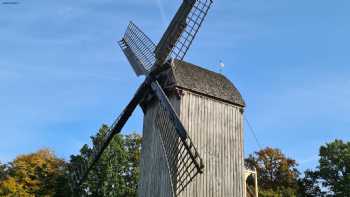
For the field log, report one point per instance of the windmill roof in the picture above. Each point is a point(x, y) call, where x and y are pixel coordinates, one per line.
point(197, 79)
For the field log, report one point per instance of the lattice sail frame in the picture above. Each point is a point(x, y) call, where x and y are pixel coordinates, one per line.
point(144, 55)
point(182, 167)
point(193, 22)
point(139, 49)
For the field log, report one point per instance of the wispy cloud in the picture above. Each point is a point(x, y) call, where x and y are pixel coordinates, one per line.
point(308, 160)
point(161, 11)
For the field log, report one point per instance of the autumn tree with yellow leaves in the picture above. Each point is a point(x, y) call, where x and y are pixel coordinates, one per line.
point(36, 174)
point(277, 174)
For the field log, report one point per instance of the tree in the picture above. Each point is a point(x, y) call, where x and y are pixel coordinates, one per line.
point(334, 169)
point(309, 185)
point(116, 173)
point(333, 172)
point(3, 171)
point(132, 144)
point(277, 174)
point(36, 174)
point(11, 188)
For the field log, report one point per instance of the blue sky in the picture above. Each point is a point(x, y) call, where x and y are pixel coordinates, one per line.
point(62, 74)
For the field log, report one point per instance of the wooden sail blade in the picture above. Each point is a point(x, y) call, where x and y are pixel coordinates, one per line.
point(83, 171)
point(183, 160)
point(182, 30)
point(134, 61)
point(173, 32)
point(139, 49)
point(194, 21)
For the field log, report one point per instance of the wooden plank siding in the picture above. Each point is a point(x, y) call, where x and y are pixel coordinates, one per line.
point(154, 172)
point(216, 128)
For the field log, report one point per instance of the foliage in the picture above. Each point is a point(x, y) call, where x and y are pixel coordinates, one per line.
point(277, 174)
point(333, 172)
point(334, 169)
point(3, 171)
point(36, 174)
point(132, 144)
point(309, 185)
point(43, 174)
point(117, 171)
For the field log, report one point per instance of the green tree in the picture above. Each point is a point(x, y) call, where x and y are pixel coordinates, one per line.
point(132, 144)
point(309, 185)
point(3, 171)
point(333, 172)
point(277, 174)
point(116, 173)
point(334, 169)
point(36, 174)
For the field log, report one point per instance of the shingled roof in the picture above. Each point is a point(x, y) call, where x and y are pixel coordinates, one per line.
point(197, 79)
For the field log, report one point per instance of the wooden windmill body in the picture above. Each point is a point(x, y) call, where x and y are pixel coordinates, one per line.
point(211, 109)
point(192, 137)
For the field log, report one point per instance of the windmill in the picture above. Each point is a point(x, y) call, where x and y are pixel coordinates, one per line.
point(151, 60)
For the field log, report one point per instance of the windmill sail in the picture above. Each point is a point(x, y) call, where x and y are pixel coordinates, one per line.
point(115, 128)
point(184, 162)
point(193, 22)
point(173, 32)
point(133, 60)
point(139, 49)
point(183, 29)
point(143, 54)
